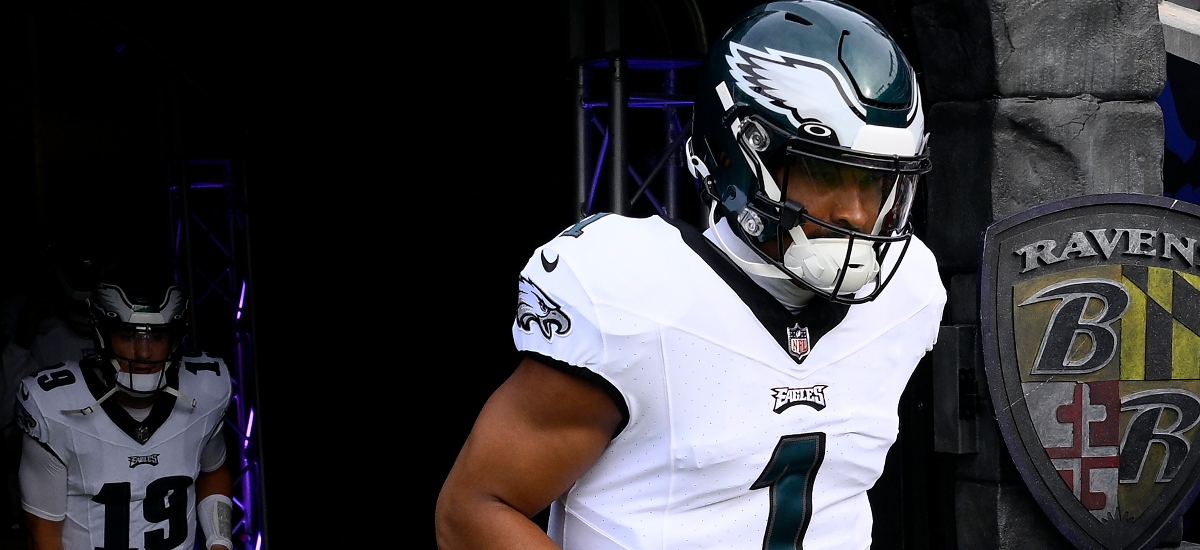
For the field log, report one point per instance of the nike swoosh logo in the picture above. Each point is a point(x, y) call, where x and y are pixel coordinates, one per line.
point(547, 264)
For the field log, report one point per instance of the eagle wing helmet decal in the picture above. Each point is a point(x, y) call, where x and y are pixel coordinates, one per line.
point(765, 74)
point(534, 307)
point(791, 84)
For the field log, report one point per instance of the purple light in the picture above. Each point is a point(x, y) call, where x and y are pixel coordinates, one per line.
point(249, 426)
point(241, 299)
point(599, 164)
point(258, 544)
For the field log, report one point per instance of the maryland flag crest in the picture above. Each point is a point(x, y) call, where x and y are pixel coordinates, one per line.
point(1090, 321)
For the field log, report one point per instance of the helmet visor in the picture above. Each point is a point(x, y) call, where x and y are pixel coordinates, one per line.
point(886, 196)
point(142, 348)
point(889, 181)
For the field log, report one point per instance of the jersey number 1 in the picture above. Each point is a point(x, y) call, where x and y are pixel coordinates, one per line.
point(166, 500)
point(790, 474)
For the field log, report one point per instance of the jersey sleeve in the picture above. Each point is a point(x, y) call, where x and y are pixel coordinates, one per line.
point(29, 414)
point(43, 481)
point(555, 316)
point(207, 379)
point(212, 456)
point(922, 286)
point(42, 473)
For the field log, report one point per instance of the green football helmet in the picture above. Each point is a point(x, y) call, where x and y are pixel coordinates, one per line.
point(818, 86)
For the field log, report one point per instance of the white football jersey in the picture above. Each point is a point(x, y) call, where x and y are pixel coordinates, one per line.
point(130, 484)
point(748, 426)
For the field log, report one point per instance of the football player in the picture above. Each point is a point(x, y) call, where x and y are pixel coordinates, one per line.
point(123, 448)
point(736, 388)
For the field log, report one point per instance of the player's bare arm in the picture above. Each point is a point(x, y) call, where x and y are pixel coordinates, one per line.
point(44, 534)
point(535, 436)
point(216, 482)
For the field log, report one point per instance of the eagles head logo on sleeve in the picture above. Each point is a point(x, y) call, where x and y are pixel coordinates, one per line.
point(24, 419)
point(536, 309)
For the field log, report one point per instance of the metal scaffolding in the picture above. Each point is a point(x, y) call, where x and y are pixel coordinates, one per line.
point(212, 251)
point(631, 116)
point(608, 178)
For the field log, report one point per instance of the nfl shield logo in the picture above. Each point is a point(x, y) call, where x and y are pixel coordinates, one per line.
point(798, 341)
point(1090, 320)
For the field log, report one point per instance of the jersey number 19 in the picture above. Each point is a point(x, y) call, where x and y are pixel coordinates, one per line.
point(166, 500)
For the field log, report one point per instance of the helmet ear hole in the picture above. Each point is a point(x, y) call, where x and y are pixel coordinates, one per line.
point(755, 137)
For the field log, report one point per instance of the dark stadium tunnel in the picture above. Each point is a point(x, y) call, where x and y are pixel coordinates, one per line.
point(277, 120)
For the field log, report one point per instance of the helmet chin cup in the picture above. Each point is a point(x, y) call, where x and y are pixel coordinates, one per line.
point(139, 385)
point(818, 262)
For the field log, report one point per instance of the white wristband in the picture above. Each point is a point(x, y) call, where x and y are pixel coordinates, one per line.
point(216, 520)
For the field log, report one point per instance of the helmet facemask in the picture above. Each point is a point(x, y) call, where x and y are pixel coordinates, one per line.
point(141, 356)
point(839, 259)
